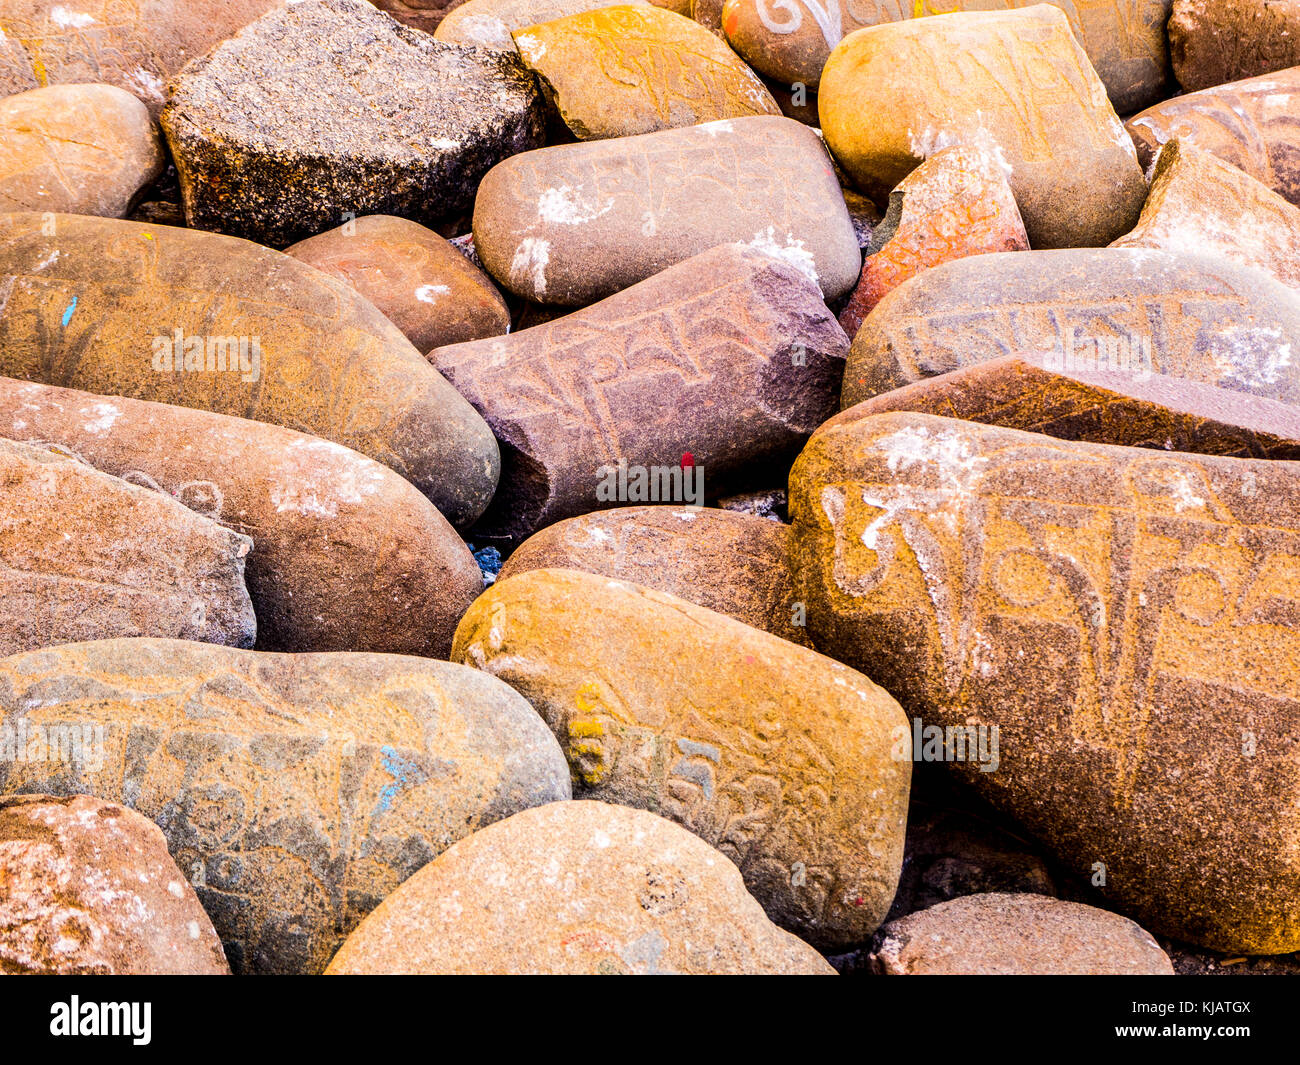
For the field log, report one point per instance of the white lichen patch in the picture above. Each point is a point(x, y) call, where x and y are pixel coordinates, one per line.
point(788, 250)
point(566, 206)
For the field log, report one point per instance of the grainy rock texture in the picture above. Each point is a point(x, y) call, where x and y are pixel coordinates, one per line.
point(426, 15)
point(1216, 41)
point(85, 556)
point(91, 890)
point(489, 23)
point(1124, 618)
point(81, 149)
point(580, 888)
point(102, 305)
point(347, 556)
point(329, 108)
point(1014, 85)
point(295, 791)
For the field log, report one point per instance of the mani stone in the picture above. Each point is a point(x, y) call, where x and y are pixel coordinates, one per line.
point(1200, 203)
point(1216, 41)
point(1004, 934)
point(78, 149)
point(423, 285)
point(575, 223)
point(489, 23)
point(92, 303)
point(1250, 124)
point(326, 109)
point(90, 890)
point(730, 356)
point(84, 556)
point(1014, 85)
point(790, 41)
point(295, 791)
point(347, 555)
point(580, 888)
point(732, 563)
point(955, 204)
point(628, 69)
point(1192, 316)
point(1127, 620)
point(1111, 403)
point(136, 46)
point(784, 760)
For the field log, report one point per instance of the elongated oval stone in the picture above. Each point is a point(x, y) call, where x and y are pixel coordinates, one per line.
point(580, 888)
point(1015, 85)
point(782, 759)
point(1128, 621)
point(489, 23)
point(295, 791)
point(1216, 41)
point(348, 555)
point(85, 556)
point(101, 305)
point(575, 223)
point(1191, 316)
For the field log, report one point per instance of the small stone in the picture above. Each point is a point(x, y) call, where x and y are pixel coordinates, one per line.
point(629, 69)
point(583, 888)
point(575, 223)
point(489, 23)
point(1013, 85)
point(1002, 934)
point(1216, 41)
point(420, 282)
point(768, 504)
point(327, 109)
point(79, 149)
point(90, 890)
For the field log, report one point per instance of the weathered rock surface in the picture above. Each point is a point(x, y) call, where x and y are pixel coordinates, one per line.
point(1126, 619)
point(730, 356)
point(295, 791)
point(575, 223)
point(1200, 203)
point(489, 23)
point(328, 108)
point(782, 759)
point(1192, 316)
point(85, 556)
point(347, 555)
point(729, 562)
point(423, 285)
point(1008, 935)
point(955, 204)
point(1248, 123)
point(93, 303)
point(426, 15)
point(579, 888)
point(1217, 41)
point(1015, 85)
point(629, 69)
point(80, 149)
point(91, 890)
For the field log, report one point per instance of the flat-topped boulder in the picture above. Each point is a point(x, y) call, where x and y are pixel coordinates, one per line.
point(1216, 41)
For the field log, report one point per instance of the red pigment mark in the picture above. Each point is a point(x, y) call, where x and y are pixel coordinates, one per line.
point(688, 460)
point(730, 16)
point(858, 901)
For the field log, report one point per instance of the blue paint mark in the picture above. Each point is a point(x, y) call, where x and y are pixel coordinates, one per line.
point(67, 315)
point(405, 774)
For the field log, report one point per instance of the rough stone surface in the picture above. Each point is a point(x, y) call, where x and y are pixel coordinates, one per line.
point(82, 149)
point(136, 45)
point(1191, 316)
point(629, 69)
point(89, 303)
point(423, 285)
point(1014, 85)
point(426, 15)
point(731, 357)
point(85, 556)
point(579, 888)
point(295, 791)
point(955, 204)
point(347, 555)
point(1125, 618)
point(90, 890)
point(326, 108)
point(575, 223)
point(782, 759)
point(729, 562)
point(1200, 203)
point(489, 23)
point(1249, 124)
point(1003, 934)
point(1216, 41)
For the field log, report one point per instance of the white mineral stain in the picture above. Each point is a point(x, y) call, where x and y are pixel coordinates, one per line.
point(792, 252)
point(530, 262)
point(430, 293)
point(66, 18)
point(565, 206)
point(106, 416)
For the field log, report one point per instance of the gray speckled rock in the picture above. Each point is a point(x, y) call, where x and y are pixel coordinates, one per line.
point(327, 107)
